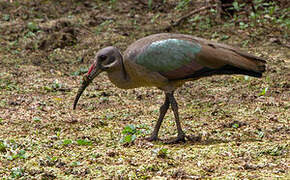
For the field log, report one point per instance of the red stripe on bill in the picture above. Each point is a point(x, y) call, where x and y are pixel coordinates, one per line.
point(91, 68)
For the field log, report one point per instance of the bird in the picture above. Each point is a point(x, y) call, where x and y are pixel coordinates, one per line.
point(167, 61)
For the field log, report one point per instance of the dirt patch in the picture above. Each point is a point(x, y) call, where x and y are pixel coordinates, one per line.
point(59, 37)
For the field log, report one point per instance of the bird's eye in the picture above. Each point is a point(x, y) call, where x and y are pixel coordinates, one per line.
point(102, 57)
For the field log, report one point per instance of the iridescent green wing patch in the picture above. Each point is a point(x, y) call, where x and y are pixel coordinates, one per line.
point(167, 55)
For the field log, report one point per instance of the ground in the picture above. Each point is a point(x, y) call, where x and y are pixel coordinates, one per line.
point(242, 122)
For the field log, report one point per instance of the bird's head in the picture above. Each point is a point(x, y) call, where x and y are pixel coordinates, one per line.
point(105, 60)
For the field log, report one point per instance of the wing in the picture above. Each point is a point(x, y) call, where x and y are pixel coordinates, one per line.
point(173, 58)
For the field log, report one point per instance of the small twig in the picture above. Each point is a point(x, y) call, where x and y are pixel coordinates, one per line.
point(286, 45)
point(253, 6)
point(183, 18)
point(140, 1)
point(176, 23)
point(87, 29)
point(15, 11)
point(279, 42)
point(219, 10)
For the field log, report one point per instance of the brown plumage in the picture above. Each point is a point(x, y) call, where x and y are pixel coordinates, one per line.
point(167, 61)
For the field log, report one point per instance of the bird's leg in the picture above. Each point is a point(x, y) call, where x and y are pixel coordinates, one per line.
point(163, 109)
point(174, 106)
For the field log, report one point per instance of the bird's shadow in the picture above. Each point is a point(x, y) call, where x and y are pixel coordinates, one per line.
point(212, 141)
point(199, 140)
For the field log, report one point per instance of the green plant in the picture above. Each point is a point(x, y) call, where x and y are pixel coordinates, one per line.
point(81, 71)
point(20, 154)
point(8, 85)
point(6, 17)
point(130, 133)
point(225, 37)
point(260, 134)
point(150, 4)
point(102, 26)
point(155, 17)
point(264, 90)
point(245, 43)
point(129, 129)
point(67, 142)
point(56, 84)
point(161, 152)
point(236, 125)
point(2, 147)
point(237, 6)
point(3, 103)
point(75, 163)
point(182, 4)
point(51, 159)
point(29, 34)
point(243, 25)
point(84, 142)
point(36, 119)
point(17, 172)
point(277, 150)
point(32, 26)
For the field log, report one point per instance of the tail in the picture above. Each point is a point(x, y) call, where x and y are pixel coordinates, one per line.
point(259, 64)
point(221, 58)
point(239, 63)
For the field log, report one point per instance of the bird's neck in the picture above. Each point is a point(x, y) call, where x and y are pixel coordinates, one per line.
point(119, 76)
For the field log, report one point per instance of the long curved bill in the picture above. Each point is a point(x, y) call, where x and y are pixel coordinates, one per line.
point(87, 79)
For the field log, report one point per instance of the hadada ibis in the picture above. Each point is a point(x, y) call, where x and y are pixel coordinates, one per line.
point(167, 61)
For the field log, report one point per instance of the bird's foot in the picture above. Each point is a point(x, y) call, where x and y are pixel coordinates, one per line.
point(152, 138)
point(179, 138)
